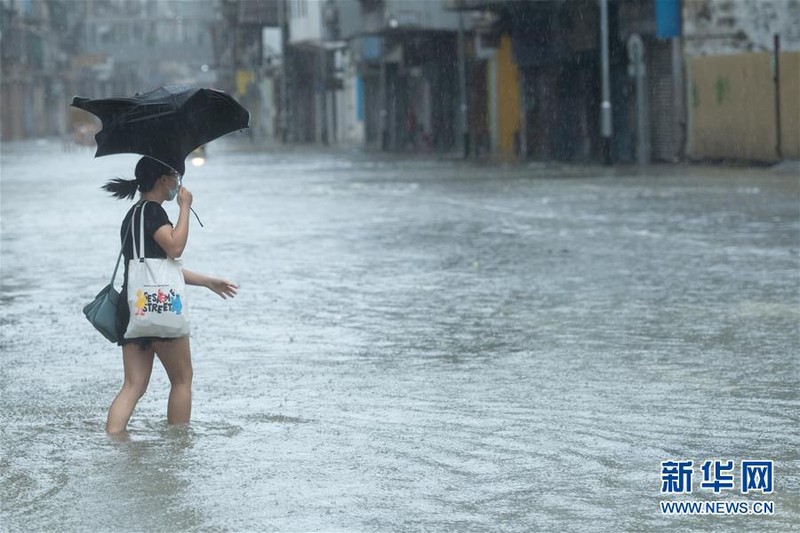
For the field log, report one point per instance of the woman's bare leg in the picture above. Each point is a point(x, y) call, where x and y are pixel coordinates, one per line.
point(138, 364)
point(177, 360)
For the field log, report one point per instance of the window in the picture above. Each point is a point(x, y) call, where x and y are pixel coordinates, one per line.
point(299, 8)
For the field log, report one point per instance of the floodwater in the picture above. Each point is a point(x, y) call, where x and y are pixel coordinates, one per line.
point(417, 346)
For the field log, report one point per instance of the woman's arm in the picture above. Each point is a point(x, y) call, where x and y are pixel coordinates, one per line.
point(173, 240)
point(225, 289)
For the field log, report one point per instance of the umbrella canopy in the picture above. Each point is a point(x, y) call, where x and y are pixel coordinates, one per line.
point(165, 124)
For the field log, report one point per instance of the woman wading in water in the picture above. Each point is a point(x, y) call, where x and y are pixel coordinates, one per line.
point(157, 183)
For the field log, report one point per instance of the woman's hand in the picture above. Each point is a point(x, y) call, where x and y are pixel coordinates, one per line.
point(185, 197)
point(225, 289)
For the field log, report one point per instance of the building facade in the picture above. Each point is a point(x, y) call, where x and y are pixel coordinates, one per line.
point(52, 50)
point(407, 57)
point(494, 78)
point(743, 79)
point(37, 42)
point(538, 68)
point(133, 46)
point(321, 77)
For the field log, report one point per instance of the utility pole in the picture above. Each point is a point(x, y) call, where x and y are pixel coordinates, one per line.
point(679, 104)
point(637, 70)
point(330, 35)
point(382, 95)
point(462, 79)
point(323, 90)
point(523, 118)
point(605, 105)
point(776, 39)
point(284, 122)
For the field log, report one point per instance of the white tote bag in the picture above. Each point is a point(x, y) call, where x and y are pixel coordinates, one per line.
point(156, 293)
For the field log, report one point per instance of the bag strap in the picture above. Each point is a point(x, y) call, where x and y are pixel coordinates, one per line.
point(138, 254)
point(122, 248)
point(141, 254)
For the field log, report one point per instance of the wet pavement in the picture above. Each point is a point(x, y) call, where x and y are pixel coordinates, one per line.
point(417, 345)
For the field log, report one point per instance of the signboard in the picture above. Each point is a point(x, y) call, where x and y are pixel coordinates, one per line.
point(668, 18)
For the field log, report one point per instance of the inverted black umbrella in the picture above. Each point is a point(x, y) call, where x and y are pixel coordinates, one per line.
point(165, 124)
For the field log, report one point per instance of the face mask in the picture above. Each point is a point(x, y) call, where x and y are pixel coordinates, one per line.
point(172, 193)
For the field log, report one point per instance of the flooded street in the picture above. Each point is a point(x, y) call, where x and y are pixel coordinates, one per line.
point(417, 345)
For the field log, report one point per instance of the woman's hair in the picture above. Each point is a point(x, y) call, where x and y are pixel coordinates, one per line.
point(148, 170)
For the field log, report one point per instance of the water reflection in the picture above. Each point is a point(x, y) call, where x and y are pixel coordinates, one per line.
point(150, 477)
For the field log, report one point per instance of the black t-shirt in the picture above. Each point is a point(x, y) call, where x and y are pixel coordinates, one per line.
point(154, 218)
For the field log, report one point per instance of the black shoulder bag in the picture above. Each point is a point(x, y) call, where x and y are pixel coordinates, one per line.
point(102, 311)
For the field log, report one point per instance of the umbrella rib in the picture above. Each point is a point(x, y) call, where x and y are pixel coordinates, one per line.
point(128, 120)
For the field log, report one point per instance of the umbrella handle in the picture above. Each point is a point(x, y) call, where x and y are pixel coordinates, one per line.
point(197, 217)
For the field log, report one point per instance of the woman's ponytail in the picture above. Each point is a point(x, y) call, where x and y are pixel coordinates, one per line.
point(121, 188)
point(147, 172)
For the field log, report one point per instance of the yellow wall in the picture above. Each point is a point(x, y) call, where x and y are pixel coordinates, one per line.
point(508, 109)
point(243, 79)
point(732, 107)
